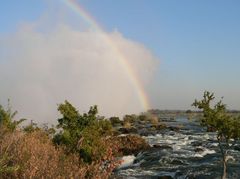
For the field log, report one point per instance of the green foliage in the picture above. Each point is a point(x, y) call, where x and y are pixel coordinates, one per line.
point(188, 111)
point(130, 118)
point(115, 121)
point(142, 117)
point(92, 147)
point(4, 165)
point(73, 124)
point(146, 116)
point(50, 131)
point(31, 127)
point(82, 133)
point(72, 119)
point(29, 151)
point(6, 117)
point(215, 117)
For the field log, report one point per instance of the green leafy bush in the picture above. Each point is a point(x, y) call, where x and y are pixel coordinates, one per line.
point(82, 133)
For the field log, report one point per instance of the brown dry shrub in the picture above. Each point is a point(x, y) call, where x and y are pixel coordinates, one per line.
point(127, 124)
point(34, 156)
point(154, 121)
point(7, 140)
point(129, 144)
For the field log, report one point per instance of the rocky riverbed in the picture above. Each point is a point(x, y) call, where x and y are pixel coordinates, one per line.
point(182, 150)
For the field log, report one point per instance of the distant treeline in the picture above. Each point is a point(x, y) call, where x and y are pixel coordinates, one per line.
point(166, 111)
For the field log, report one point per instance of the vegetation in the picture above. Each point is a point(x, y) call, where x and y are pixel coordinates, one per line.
point(86, 145)
point(130, 120)
point(79, 150)
point(6, 117)
point(217, 119)
point(130, 144)
point(82, 134)
point(115, 121)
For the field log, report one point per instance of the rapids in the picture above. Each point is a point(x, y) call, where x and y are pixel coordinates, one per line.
point(186, 154)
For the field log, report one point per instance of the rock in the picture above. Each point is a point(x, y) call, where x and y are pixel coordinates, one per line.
point(167, 119)
point(211, 129)
point(190, 137)
point(148, 125)
point(161, 147)
point(161, 126)
point(177, 162)
point(237, 148)
point(196, 143)
point(199, 149)
point(174, 128)
point(131, 130)
point(165, 177)
point(147, 132)
point(130, 144)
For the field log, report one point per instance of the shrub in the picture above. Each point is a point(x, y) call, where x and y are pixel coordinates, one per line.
point(32, 155)
point(115, 121)
point(91, 145)
point(129, 144)
point(82, 134)
point(6, 118)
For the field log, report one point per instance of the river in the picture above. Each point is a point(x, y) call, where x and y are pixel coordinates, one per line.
point(186, 154)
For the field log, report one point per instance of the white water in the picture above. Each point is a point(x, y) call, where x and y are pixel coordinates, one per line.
point(127, 161)
point(185, 154)
point(205, 152)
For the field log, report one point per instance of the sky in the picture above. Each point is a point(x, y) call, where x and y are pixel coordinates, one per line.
point(177, 49)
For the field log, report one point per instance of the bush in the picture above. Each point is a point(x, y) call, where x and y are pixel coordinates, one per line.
point(130, 118)
point(6, 141)
point(115, 121)
point(82, 134)
point(129, 144)
point(6, 118)
point(32, 155)
point(72, 124)
point(91, 145)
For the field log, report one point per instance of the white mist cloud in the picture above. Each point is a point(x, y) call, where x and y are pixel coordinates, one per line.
point(39, 70)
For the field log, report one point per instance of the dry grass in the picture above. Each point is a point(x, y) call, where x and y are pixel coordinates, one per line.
point(32, 155)
point(154, 120)
point(127, 125)
point(130, 144)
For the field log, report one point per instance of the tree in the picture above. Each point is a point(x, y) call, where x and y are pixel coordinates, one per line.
point(115, 121)
point(130, 118)
point(72, 124)
point(7, 125)
point(7, 116)
point(226, 126)
point(81, 134)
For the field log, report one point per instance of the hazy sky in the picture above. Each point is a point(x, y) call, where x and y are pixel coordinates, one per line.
point(186, 46)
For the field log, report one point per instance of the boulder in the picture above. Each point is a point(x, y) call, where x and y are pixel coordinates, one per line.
point(174, 128)
point(165, 177)
point(161, 126)
point(237, 147)
point(161, 147)
point(199, 149)
point(131, 130)
point(130, 144)
point(196, 143)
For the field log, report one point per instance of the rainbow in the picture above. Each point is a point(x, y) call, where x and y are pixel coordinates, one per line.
point(78, 9)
